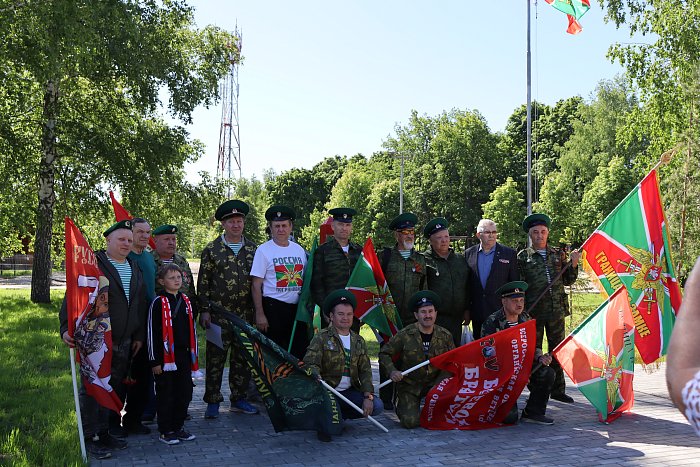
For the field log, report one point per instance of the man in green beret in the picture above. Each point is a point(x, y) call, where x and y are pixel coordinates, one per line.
point(540, 265)
point(165, 238)
point(224, 279)
point(278, 275)
point(542, 377)
point(412, 345)
point(127, 309)
point(339, 356)
point(447, 277)
point(335, 259)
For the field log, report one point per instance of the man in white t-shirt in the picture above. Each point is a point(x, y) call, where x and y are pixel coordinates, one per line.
point(277, 277)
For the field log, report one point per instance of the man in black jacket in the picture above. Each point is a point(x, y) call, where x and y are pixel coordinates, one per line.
point(490, 265)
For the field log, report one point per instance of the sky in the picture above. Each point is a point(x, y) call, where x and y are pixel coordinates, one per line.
point(325, 78)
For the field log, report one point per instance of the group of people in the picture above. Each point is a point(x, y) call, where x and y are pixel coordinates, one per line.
point(153, 307)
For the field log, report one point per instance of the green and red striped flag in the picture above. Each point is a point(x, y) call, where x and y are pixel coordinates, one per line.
point(574, 10)
point(632, 247)
point(598, 356)
point(374, 301)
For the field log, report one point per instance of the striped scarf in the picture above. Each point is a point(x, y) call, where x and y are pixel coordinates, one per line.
point(169, 341)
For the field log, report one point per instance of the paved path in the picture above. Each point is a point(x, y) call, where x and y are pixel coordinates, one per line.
point(654, 434)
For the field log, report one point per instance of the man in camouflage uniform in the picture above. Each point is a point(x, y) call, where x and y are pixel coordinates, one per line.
point(539, 265)
point(512, 313)
point(335, 259)
point(165, 238)
point(339, 356)
point(447, 277)
point(415, 344)
point(224, 279)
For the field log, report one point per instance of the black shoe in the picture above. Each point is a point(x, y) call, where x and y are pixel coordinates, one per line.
point(562, 397)
point(111, 443)
point(539, 419)
point(96, 450)
point(138, 429)
point(188, 416)
point(148, 418)
point(323, 437)
point(118, 432)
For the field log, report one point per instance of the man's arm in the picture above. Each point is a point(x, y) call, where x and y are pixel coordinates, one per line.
point(386, 354)
point(313, 358)
point(256, 290)
point(513, 273)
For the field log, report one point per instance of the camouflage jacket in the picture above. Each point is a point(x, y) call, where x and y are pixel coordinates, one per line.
point(404, 278)
point(332, 268)
point(326, 356)
point(497, 322)
point(187, 278)
point(224, 278)
point(405, 350)
point(447, 277)
point(533, 270)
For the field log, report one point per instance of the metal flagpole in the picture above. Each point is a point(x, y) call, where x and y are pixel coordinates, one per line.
point(77, 404)
point(405, 372)
point(349, 402)
point(529, 118)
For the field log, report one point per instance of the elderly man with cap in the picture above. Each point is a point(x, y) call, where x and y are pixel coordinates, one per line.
point(490, 265)
point(415, 344)
point(511, 314)
point(278, 275)
point(165, 238)
point(335, 259)
point(127, 310)
point(339, 356)
point(224, 279)
point(447, 277)
point(540, 265)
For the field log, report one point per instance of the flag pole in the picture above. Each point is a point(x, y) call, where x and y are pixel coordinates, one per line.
point(77, 404)
point(291, 338)
point(405, 372)
point(529, 117)
point(349, 402)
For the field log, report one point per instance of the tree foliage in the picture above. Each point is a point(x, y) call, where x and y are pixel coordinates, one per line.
point(506, 207)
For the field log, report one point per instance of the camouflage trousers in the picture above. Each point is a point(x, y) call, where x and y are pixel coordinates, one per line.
point(556, 332)
point(238, 374)
point(408, 400)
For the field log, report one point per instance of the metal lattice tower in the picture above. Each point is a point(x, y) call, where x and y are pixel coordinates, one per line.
point(229, 137)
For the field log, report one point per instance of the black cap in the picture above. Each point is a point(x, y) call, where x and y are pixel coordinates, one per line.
point(232, 207)
point(336, 297)
point(125, 224)
point(424, 298)
point(406, 220)
point(435, 226)
point(514, 289)
point(536, 219)
point(342, 214)
point(279, 212)
point(165, 229)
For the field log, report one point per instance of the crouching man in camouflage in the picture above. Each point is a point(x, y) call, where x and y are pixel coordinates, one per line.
point(339, 356)
point(415, 344)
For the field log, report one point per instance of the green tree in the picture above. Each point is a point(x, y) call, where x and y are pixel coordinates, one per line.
point(506, 207)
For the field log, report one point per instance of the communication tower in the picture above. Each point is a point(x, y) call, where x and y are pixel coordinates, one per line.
point(229, 136)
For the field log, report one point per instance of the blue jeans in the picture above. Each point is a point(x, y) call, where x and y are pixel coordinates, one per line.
point(357, 398)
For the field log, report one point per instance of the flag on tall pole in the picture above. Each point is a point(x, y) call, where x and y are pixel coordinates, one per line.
point(632, 247)
point(305, 307)
point(598, 356)
point(121, 214)
point(574, 10)
point(88, 317)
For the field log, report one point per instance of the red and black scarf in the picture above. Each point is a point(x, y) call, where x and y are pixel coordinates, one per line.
point(169, 341)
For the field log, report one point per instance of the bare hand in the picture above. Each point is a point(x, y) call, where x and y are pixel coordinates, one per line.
point(261, 322)
point(70, 342)
point(546, 359)
point(157, 370)
point(396, 376)
point(367, 407)
point(205, 319)
point(135, 347)
point(575, 256)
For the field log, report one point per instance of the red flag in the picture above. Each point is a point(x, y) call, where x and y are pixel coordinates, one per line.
point(88, 317)
point(325, 230)
point(489, 375)
point(121, 214)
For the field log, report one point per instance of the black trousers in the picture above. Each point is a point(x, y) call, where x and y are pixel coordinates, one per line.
point(137, 394)
point(280, 317)
point(174, 393)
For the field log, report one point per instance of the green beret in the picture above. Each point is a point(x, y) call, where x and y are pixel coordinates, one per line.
point(536, 219)
point(279, 212)
point(336, 297)
point(165, 229)
point(125, 224)
point(514, 289)
point(342, 214)
point(424, 298)
point(435, 226)
point(232, 207)
point(406, 220)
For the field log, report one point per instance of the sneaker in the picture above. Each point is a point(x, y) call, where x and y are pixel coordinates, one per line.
point(562, 397)
point(243, 406)
point(118, 432)
point(168, 438)
point(212, 411)
point(138, 429)
point(183, 435)
point(534, 418)
point(111, 443)
point(96, 450)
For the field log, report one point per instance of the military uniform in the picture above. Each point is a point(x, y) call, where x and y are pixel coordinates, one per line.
point(404, 278)
point(187, 278)
point(447, 277)
point(407, 345)
point(332, 268)
point(224, 279)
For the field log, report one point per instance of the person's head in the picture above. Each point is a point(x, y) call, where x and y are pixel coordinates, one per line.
point(487, 233)
point(118, 239)
point(537, 228)
point(102, 301)
point(280, 219)
point(169, 277)
point(513, 298)
point(232, 214)
point(342, 224)
point(438, 235)
point(425, 304)
point(165, 238)
point(142, 233)
point(404, 227)
point(339, 305)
